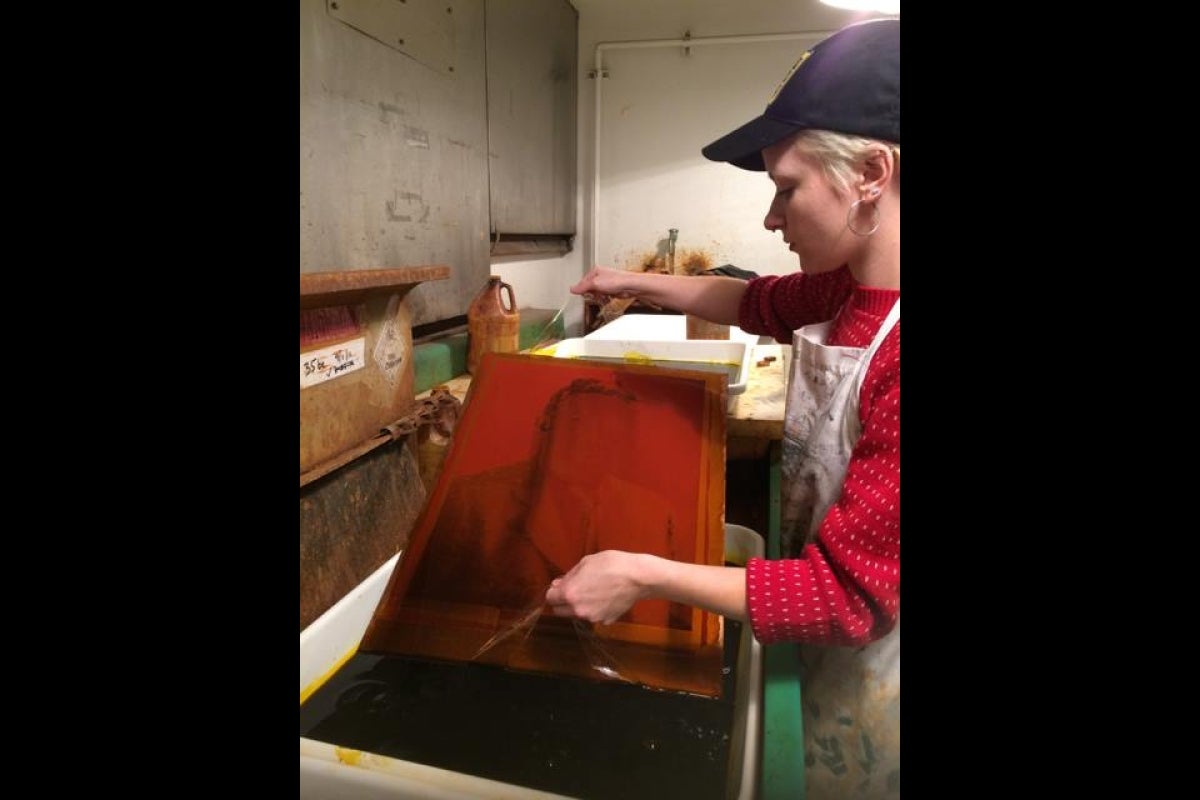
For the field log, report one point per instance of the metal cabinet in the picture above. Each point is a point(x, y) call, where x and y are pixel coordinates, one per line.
point(428, 131)
point(532, 48)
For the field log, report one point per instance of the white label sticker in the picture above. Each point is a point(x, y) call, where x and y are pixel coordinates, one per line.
point(318, 366)
point(389, 350)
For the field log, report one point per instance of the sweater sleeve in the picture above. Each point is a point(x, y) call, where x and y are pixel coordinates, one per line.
point(845, 586)
point(776, 305)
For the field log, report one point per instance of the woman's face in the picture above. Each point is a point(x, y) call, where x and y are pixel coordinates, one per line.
point(807, 209)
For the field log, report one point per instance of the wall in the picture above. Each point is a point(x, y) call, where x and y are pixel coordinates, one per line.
point(659, 108)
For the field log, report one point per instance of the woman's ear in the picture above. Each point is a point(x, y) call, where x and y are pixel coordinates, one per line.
point(877, 171)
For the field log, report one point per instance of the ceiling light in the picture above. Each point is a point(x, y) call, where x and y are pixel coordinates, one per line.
point(879, 6)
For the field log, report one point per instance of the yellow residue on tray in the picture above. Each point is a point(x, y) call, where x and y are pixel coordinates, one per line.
point(307, 691)
point(348, 756)
point(634, 357)
point(647, 360)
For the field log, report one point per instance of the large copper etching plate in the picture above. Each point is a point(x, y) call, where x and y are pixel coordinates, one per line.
point(554, 459)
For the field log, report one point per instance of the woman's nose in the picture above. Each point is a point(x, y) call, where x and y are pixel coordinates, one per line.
point(774, 219)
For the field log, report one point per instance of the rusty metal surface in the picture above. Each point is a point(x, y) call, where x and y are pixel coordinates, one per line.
point(342, 413)
point(434, 436)
point(440, 410)
point(353, 286)
point(354, 520)
point(361, 487)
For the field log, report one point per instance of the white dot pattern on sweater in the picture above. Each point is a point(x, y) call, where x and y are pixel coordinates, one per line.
point(845, 586)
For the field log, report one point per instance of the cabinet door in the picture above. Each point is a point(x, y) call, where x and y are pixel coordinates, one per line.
point(532, 50)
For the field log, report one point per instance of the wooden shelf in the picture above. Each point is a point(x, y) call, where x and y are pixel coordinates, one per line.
point(346, 287)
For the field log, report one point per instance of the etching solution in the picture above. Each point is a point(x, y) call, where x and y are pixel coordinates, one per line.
point(491, 326)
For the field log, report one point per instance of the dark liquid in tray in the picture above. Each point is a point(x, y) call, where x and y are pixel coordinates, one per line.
point(586, 739)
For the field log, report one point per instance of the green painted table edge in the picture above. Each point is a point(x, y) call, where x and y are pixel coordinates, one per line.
point(783, 724)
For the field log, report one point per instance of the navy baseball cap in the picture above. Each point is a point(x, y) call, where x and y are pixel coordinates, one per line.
point(848, 83)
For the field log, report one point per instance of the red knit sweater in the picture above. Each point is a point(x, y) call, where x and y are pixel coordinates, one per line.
point(845, 586)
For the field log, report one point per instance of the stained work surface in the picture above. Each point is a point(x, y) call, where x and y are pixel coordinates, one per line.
point(553, 460)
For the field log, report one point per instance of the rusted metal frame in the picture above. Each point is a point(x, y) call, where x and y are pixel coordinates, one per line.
point(351, 286)
point(426, 411)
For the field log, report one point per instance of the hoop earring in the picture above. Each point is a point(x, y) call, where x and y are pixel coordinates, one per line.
point(850, 219)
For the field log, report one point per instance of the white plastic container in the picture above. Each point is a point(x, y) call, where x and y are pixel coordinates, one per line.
point(327, 771)
point(655, 327)
point(709, 355)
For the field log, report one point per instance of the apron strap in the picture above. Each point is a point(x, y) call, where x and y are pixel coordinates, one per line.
point(893, 316)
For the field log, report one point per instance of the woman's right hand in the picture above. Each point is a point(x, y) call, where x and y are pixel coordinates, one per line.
point(601, 283)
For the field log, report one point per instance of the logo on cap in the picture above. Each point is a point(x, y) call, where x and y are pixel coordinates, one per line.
point(803, 57)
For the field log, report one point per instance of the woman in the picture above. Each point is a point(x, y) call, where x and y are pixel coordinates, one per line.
point(829, 141)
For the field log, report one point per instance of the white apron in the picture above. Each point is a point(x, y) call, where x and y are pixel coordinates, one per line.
point(850, 696)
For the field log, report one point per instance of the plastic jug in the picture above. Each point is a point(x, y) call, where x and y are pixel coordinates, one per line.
point(491, 326)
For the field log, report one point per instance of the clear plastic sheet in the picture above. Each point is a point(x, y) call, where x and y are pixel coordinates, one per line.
point(601, 660)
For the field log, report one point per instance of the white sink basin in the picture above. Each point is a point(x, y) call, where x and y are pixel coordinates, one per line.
point(328, 771)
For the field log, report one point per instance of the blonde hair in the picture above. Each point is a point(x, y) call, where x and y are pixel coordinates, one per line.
point(842, 155)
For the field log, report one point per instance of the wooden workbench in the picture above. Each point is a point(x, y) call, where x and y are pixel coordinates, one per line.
point(756, 415)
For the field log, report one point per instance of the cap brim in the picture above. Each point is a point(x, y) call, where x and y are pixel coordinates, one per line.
point(743, 147)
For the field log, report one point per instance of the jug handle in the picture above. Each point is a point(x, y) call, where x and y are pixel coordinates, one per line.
point(512, 303)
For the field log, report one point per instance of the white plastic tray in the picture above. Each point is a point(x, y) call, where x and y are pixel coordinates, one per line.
point(709, 355)
point(659, 326)
point(327, 771)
